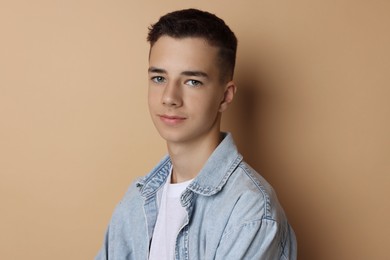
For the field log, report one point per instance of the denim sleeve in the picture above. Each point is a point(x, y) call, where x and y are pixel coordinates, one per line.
point(103, 252)
point(259, 239)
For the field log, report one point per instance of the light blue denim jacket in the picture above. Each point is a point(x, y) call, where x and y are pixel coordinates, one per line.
point(233, 213)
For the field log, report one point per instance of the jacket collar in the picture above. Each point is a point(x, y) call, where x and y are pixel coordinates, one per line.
point(210, 180)
point(218, 168)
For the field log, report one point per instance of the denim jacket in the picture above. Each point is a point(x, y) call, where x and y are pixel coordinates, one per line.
point(233, 213)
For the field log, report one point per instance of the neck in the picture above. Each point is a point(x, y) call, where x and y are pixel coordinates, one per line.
point(189, 158)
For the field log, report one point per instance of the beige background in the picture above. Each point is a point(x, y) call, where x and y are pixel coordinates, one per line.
point(311, 113)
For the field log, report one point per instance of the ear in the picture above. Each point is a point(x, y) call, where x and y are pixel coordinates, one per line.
point(230, 90)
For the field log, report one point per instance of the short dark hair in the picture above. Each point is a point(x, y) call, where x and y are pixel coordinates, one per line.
point(197, 23)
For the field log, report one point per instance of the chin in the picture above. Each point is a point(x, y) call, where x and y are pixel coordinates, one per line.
point(172, 137)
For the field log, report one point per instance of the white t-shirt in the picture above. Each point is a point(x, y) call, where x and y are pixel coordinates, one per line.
point(171, 218)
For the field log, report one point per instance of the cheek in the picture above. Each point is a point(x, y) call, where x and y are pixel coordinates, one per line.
point(153, 98)
point(214, 101)
point(207, 107)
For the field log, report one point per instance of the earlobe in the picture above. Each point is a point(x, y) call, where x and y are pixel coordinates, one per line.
point(228, 96)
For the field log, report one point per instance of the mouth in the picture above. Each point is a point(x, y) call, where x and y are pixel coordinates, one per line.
point(171, 119)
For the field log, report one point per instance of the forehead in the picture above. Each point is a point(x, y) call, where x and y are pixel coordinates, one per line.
point(184, 54)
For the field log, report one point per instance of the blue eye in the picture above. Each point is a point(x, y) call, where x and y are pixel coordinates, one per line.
point(194, 83)
point(158, 79)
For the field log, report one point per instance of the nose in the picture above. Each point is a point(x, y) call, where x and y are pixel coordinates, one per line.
point(172, 95)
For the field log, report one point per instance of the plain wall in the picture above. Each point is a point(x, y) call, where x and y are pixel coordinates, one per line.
point(311, 113)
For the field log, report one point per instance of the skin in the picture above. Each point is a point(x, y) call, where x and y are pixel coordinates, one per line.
point(186, 98)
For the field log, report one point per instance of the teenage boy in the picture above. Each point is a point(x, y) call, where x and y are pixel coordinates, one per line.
point(202, 201)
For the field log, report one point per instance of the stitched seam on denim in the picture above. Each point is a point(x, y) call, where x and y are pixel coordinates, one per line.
point(146, 179)
point(207, 190)
point(157, 176)
point(248, 223)
point(267, 206)
point(283, 241)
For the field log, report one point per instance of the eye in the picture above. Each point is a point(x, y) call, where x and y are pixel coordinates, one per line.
point(158, 79)
point(194, 83)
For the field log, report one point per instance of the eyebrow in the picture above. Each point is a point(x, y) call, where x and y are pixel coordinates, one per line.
point(156, 70)
point(195, 73)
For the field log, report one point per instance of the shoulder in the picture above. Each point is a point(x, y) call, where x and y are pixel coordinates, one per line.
point(130, 200)
point(252, 194)
point(143, 189)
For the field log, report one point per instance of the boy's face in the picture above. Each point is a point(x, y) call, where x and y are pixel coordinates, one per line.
point(185, 93)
